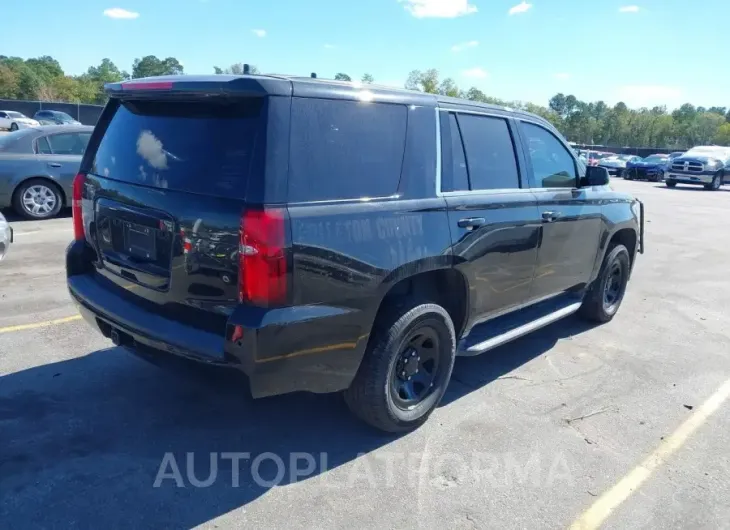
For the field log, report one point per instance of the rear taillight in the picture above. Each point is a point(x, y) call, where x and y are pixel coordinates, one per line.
point(78, 190)
point(262, 257)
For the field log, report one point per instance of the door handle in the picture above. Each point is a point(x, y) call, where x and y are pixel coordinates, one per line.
point(549, 217)
point(471, 223)
point(54, 164)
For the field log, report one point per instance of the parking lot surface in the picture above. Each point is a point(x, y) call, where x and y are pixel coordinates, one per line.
point(629, 416)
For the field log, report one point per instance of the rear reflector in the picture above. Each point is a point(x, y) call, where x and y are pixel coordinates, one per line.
point(78, 195)
point(262, 257)
point(147, 85)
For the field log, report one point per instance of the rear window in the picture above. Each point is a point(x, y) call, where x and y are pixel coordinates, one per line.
point(345, 149)
point(200, 147)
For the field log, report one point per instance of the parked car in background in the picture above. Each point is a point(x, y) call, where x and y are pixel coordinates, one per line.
point(330, 292)
point(6, 237)
point(617, 163)
point(708, 166)
point(675, 154)
point(37, 168)
point(11, 120)
point(650, 168)
point(595, 156)
point(54, 117)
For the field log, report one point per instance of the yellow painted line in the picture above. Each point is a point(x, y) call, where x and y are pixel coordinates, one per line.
point(602, 508)
point(37, 325)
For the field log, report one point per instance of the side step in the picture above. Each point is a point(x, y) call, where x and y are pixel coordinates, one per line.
point(480, 341)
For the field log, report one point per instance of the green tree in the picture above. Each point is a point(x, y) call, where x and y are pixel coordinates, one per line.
point(97, 77)
point(8, 82)
point(722, 136)
point(367, 78)
point(152, 66)
point(342, 77)
point(236, 69)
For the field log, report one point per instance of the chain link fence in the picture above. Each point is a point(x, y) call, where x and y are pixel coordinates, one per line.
point(86, 114)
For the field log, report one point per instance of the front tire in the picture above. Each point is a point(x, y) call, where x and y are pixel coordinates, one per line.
point(406, 368)
point(716, 182)
point(37, 199)
point(607, 292)
point(13, 126)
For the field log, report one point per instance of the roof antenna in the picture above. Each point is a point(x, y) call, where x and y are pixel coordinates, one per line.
point(313, 75)
point(246, 69)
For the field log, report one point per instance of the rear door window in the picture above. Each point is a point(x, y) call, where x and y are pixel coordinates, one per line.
point(345, 149)
point(200, 147)
point(490, 154)
point(68, 144)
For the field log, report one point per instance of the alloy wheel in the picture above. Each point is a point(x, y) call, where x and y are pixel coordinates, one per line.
point(39, 200)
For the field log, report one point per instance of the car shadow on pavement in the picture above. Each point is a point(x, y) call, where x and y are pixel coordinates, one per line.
point(473, 373)
point(106, 440)
point(12, 216)
point(691, 188)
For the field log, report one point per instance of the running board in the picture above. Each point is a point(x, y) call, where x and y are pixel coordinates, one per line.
point(517, 332)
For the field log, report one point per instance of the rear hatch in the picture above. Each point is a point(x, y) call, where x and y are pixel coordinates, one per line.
point(169, 180)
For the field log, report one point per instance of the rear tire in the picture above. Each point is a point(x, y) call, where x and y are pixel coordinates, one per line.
point(607, 292)
point(49, 198)
point(381, 392)
point(13, 126)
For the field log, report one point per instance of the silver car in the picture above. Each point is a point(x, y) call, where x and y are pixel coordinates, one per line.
point(6, 237)
point(37, 167)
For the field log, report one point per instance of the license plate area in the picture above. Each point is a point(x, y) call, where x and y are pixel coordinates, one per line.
point(135, 243)
point(140, 242)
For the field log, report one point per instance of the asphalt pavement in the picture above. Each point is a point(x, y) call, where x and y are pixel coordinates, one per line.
point(623, 424)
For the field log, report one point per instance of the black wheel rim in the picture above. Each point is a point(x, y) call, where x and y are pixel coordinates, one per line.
point(416, 368)
point(613, 288)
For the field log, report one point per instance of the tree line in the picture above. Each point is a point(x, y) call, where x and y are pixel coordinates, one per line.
point(592, 123)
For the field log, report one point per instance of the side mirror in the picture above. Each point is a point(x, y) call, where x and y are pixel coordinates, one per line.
point(595, 176)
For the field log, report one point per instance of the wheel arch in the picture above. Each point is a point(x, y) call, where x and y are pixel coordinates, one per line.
point(624, 234)
point(432, 279)
point(59, 188)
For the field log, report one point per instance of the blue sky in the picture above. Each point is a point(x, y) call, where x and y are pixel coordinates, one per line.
point(643, 52)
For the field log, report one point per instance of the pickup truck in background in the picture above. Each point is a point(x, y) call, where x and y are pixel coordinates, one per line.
point(708, 166)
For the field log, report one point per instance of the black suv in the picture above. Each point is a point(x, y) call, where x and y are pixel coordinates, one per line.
point(325, 237)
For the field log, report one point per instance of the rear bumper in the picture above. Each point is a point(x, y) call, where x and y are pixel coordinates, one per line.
point(303, 348)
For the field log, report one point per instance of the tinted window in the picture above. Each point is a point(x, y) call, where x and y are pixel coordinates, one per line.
point(490, 155)
point(43, 147)
point(345, 149)
point(201, 147)
point(551, 162)
point(68, 144)
point(3, 115)
point(460, 178)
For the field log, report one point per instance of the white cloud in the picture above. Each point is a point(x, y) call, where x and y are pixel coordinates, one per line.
point(259, 32)
point(628, 9)
point(637, 96)
point(464, 46)
point(562, 76)
point(118, 12)
point(439, 8)
point(522, 7)
point(329, 46)
point(475, 73)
